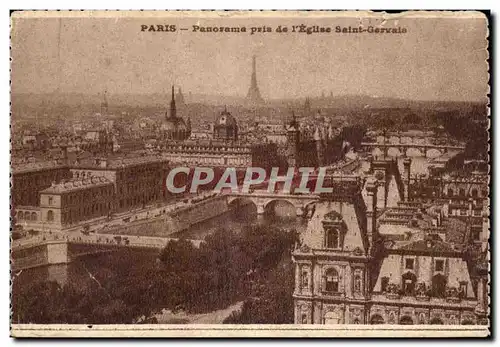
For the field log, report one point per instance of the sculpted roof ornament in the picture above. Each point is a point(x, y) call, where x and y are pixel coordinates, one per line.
point(305, 248)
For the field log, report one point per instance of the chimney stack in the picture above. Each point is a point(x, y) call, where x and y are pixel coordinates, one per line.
point(371, 212)
point(406, 177)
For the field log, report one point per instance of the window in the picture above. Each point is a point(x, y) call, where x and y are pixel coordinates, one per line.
point(409, 281)
point(450, 192)
point(463, 289)
point(51, 200)
point(331, 281)
point(462, 192)
point(476, 234)
point(384, 283)
point(409, 264)
point(357, 283)
point(474, 193)
point(305, 279)
point(332, 238)
point(50, 215)
point(439, 265)
point(439, 286)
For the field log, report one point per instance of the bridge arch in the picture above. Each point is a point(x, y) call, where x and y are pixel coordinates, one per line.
point(290, 210)
point(433, 153)
point(237, 203)
point(414, 152)
point(394, 152)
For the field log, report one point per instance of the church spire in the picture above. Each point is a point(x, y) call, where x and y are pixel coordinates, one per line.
point(173, 109)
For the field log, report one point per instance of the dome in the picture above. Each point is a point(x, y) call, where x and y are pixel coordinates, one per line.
point(226, 119)
point(226, 127)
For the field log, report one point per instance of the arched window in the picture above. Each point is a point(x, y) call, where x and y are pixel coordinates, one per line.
point(450, 192)
point(332, 238)
point(331, 281)
point(439, 285)
point(462, 192)
point(50, 216)
point(33, 216)
point(474, 193)
point(392, 318)
point(377, 319)
point(453, 320)
point(20, 215)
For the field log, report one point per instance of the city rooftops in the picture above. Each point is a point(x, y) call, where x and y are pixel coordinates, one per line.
point(112, 163)
point(19, 168)
point(67, 186)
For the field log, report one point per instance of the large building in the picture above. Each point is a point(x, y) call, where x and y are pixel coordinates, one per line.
point(75, 201)
point(87, 189)
point(361, 263)
point(319, 148)
point(28, 179)
point(174, 128)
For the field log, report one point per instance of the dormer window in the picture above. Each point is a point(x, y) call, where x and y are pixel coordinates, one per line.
point(332, 238)
point(409, 264)
point(439, 265)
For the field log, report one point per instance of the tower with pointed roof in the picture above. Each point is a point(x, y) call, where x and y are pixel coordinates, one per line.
point(293, 139)
point(173, 109)
point(253, 95)
point(104, 103)
point(174, 128)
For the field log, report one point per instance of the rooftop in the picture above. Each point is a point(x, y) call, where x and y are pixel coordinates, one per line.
point(18, 168)
point(71, 185)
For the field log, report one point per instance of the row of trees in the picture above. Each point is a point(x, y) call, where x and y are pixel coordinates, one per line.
point(121, 287)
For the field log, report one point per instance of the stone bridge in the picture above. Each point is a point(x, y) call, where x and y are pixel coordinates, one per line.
point(264, 200)
point(409, 149)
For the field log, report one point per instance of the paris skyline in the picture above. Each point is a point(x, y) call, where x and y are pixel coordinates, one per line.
point(121, 59)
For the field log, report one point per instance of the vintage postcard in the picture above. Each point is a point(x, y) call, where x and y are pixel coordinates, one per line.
point(249, 174)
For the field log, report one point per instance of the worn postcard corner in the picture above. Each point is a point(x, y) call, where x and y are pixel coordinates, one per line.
point(250, 174)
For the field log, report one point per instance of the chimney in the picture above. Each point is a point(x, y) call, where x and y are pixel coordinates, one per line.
point(406, 177)
point(371, 211)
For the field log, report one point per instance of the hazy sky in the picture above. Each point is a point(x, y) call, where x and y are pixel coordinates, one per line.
point(437, 59)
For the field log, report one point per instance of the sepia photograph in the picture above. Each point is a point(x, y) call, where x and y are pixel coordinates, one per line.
point(249, 174)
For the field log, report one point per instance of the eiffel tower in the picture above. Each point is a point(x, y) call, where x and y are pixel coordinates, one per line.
point(253, 96)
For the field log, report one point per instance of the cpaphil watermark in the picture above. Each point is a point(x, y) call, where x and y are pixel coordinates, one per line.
point(255, 177)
